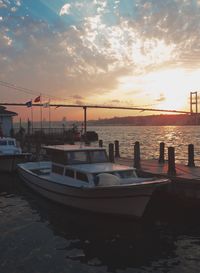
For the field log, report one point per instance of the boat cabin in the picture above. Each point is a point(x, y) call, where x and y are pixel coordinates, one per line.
point(8, 146)
point(86, 164)
point(74, 154)
point(6, 121)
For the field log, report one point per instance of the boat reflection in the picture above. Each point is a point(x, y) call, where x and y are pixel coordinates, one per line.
point(101, 240)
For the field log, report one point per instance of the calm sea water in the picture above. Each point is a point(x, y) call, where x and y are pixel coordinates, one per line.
point(150, 137)
point(37, 235)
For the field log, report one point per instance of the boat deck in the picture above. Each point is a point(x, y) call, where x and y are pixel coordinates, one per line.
point(45, 171)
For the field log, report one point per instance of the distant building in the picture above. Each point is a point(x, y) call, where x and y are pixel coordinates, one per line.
point(6, 121)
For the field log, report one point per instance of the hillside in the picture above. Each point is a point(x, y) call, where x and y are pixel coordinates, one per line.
point(151, 120)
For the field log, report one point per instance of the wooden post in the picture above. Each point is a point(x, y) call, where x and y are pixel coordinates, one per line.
point(117, 148)
point(162, 153)
point(111, 152)
point(171, 162)
point(100, 143)
point(191, 155)
point(137, 155)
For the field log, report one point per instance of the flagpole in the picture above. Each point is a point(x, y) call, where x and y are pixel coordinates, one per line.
point(41, 111)
point(49, 117)
point(32, 117)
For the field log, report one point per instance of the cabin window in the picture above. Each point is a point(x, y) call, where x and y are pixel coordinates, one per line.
point(4, 142)
point(11, 142)
point(69, 173)
point(57, 169)
point(81, 176)
point(75, 157)
point(98, 156)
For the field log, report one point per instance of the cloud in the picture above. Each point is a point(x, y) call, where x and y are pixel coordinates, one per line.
point(161, 98)
point(79, 102)
point(65, 9)
point(2, 4)
point(115, 101)
point(99, 42)
point(77, 97)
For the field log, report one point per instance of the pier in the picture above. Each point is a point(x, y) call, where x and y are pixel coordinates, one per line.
point(159, 167)
point(185, 186)
point(153, 167)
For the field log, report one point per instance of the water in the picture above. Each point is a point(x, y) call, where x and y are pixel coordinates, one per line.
point(37, 235)
point(150, 137)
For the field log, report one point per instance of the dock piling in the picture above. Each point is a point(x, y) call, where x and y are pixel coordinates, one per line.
point(171, 162)
point(111, 152)
point(191, 155)
point(100, 143)
point(137, 155)
point(117, 154)
point(162, 153)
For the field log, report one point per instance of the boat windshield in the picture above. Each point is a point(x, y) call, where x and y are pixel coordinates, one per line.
point(98, 156)
point(85, 157)
point(11, 142)
point(3, 142)
point(77, 157)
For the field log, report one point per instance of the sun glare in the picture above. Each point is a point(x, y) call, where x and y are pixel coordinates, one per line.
point(166, 89)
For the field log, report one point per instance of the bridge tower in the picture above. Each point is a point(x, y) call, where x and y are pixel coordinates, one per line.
point(193, 102)
point(194, 106)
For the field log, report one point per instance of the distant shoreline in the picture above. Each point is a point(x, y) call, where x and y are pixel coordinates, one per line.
point(151, 120)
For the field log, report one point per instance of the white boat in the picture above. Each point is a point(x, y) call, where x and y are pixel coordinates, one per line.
point(10, 154)
point(82, 177)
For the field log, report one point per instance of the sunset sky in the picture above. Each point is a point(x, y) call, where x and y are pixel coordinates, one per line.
point(132, 53)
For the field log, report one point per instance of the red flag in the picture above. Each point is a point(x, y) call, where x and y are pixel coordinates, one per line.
point(37, 99)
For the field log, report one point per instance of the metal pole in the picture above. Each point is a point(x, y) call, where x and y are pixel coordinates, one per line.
point(85, 119)
point(41, 111)
point(32, 118)
point(49, 117)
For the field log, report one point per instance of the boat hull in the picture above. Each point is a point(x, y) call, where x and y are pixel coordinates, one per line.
point(129, 200)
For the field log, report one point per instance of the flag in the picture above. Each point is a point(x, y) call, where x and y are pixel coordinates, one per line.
point(46, 104)
point(29, 103)
point(37, 99)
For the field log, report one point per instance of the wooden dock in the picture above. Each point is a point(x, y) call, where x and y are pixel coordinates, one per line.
point(182, 194)
point(184, 188)
point(153, 167)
